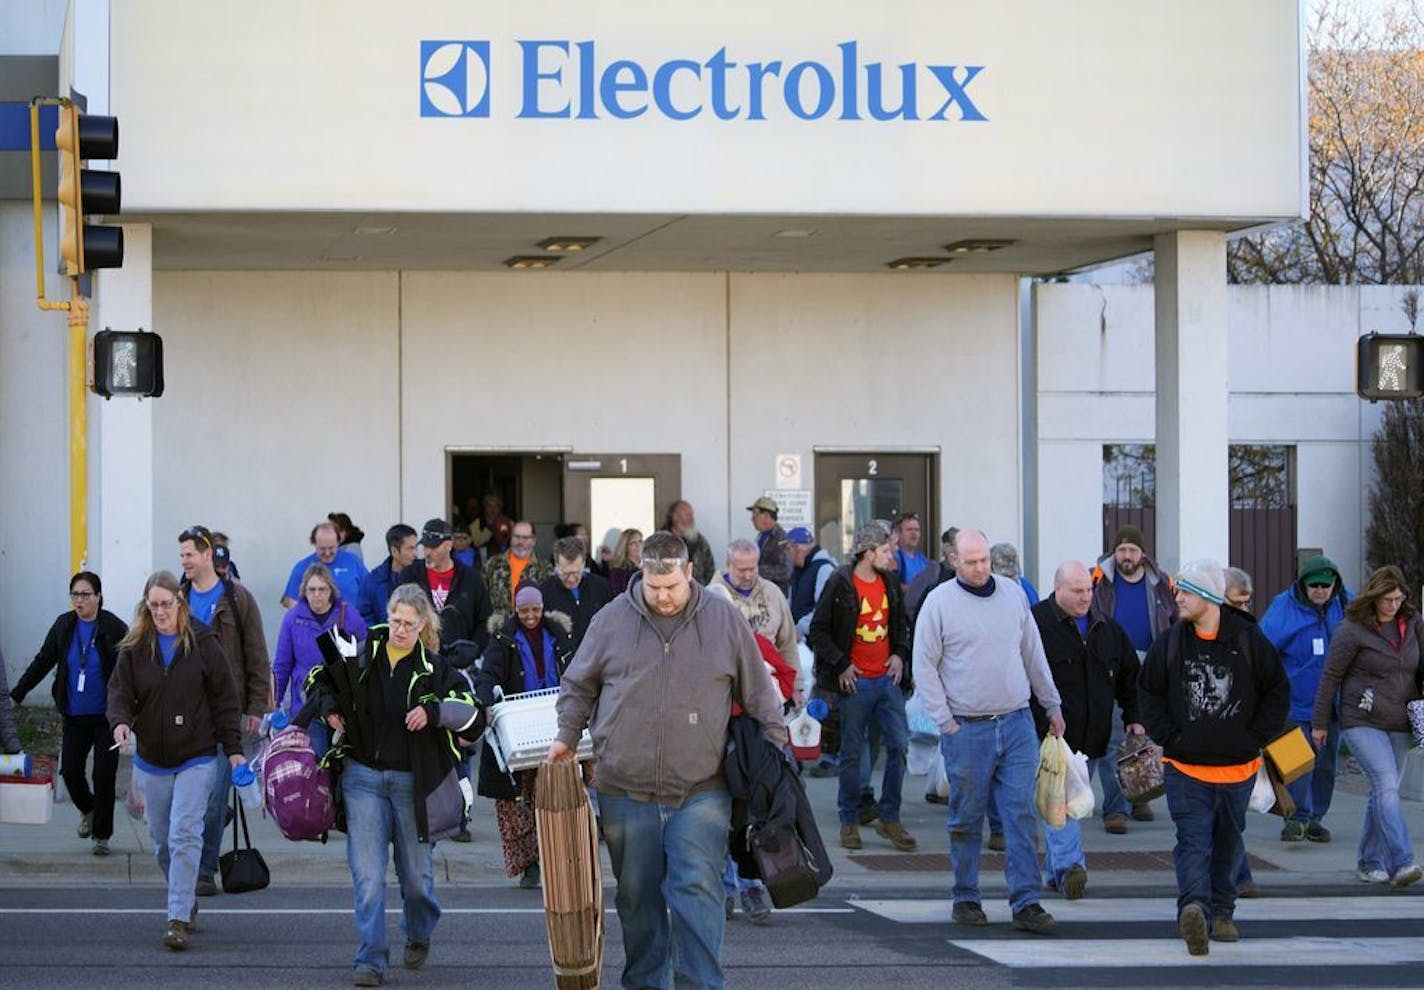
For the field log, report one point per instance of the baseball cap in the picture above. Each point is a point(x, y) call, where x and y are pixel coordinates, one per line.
point(801, 536)
point(221, 554)
point(435, 532)
point(765, 504)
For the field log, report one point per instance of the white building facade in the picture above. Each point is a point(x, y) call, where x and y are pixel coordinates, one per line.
point(322, 202)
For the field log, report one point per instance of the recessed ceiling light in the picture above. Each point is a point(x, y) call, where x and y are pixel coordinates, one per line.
point(374, 231)
point(522, 261)
point(909, 264)
point(794, 233)
point(979, 245)
point(567, 245)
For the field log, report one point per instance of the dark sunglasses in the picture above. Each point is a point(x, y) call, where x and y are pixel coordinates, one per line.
point(1320, 584)
point(200, 535)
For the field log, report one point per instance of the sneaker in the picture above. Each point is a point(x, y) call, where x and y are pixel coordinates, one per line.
point(1033, 919)
point(86, 824)
point(934, 798)
point(1372, 876)
point(754, 905)
point(205, 887)
point(1317, 832)
point(1075, 883)
point(1142, 812)
point(899, 838)
point(730, 907)
point(867, 813)
point(1223, 929)
point(529, 879)
point(363, 977)
point(1406, 875)
point(996, 842)
point(415, 953)
point(1192, 924)
point(1293, 831)
point(463, 836)
point(101, 847)
point(1115, 824)
point(176, 936)
point(969, 913)
point(850, 837)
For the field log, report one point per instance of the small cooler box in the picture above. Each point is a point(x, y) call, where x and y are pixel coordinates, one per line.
point(522, 727)
point(28, 800)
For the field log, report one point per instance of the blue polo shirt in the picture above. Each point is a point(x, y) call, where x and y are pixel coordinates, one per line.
point(346, 568)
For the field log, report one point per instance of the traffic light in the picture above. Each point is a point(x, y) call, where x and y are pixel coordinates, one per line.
point(80, 137)
point(127, 362)
point(1390, 366)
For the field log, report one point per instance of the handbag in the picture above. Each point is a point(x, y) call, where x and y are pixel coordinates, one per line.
point(1139, 772)
point(243, 869)
point(785, 865)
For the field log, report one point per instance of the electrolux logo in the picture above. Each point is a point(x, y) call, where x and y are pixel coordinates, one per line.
point(454, 78)
point(562, 80)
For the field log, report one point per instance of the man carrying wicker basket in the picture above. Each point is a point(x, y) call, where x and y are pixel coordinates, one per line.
point(657, 672)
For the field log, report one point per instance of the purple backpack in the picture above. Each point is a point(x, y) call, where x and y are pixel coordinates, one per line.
point(297, 791)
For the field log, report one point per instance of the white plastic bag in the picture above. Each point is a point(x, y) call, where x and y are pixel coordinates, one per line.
point(1263, 796)
point(1078, 785)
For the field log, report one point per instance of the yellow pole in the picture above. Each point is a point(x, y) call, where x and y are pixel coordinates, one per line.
point(78, 429)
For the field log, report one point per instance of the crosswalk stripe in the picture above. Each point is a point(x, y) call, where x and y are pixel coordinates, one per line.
point(1322, 952)
point(936, 911)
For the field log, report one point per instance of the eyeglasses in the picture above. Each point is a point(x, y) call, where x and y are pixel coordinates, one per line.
point(199, 535)
point(571, 572)
point(167, 606)
point(1395, 599)
point(80, 596)
point(403, 623)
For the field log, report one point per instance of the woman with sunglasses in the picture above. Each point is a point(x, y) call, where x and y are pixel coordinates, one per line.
point(172, 688)
point(1373, 665)
point(82, 647)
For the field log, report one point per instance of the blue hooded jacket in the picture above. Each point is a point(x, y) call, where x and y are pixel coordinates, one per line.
point(1301, 633)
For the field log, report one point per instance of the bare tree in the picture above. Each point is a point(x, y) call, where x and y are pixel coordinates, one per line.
point(1365, 83)
point(1395, 534)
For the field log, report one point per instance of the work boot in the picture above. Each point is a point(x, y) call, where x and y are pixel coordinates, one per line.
point(1033, 919)
point(996, 842)
point(205, 887)
point(1075, 883)
point(415, 953)
point(899, 838)
point(1115, 824)
point(1142, 812)
point(176, 937)
point(1224, 930)
point(969, 913)
point(867, 813)
point(364, 977)
point(850, 837)
point(1192, 924)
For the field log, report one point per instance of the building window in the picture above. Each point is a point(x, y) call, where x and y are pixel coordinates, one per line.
point(1262, 476)
point(1130, 475)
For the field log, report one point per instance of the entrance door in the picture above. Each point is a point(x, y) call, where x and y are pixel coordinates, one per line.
point(527, 482)
point(852, 489)
point(613, 492)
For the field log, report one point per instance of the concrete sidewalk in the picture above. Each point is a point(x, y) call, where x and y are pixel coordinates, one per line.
point(52, 854)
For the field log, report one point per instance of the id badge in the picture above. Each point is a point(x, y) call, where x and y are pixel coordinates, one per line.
point(1317, 646)
point(80, 686)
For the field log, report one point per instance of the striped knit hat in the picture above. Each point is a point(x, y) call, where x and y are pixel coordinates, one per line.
point(1203, 578)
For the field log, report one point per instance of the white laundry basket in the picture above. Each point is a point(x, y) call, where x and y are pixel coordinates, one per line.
point(522, 727)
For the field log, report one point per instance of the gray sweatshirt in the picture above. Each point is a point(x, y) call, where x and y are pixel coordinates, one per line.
point(659, 708)
point(979, 656)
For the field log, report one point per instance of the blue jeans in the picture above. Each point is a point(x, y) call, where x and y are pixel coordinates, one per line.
point(1209, 819)
point(880, 700)
point(1312, 793)
point(1114, 802)
point(870, 755)
point(733, 883)
point(215, 818)
point(668, 862)
point(176, 803)
point(1384, 837)
point(1063, 847)
point(380, 812)
point(999, 757)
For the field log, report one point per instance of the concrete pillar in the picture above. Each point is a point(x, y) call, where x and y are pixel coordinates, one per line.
point(1192, 482)
point(122, 544)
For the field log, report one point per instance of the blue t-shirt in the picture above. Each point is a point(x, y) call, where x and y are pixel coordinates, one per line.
point(1130, 611)
point(346, 568)
point(84, 660)
point(910, 564)
point(168, 647)
point(202, 603)
point(466, 557)
point(1082, 621)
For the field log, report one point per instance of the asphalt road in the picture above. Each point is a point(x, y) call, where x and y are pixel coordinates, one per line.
point(494, 938)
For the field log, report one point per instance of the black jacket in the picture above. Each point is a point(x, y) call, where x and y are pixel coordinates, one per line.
point(467, 608)
point(344, 686)
point(181, 712)
point(1214, 703)
point(54, 653)
point(1090, 675)
point(833, 628)
point(503, 667)
point(594, 593)
point(767, 795)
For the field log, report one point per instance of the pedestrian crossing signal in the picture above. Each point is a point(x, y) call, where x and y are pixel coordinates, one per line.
point(1390, 366)
point(127, 362)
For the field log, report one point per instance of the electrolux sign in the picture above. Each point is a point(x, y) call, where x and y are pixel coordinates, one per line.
point(570, 80)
